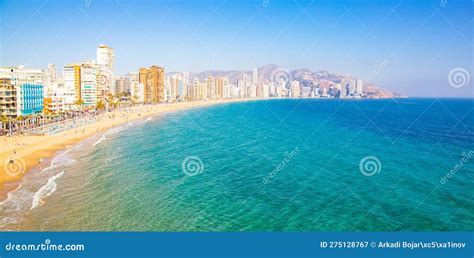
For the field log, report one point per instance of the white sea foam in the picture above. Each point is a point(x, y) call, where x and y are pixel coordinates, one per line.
point(50, 167)
point(148, 119)
point(9, 196)
point(62, 159)
point(46, 190)
point(100, 140)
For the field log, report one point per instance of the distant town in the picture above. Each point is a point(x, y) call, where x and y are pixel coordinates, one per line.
point(32, 97)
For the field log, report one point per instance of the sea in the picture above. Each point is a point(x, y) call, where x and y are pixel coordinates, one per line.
point(265, 165)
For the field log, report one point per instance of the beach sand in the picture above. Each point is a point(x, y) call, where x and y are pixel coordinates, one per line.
point(31, 149)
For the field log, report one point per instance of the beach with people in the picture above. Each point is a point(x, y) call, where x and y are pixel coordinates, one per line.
point(21, 152)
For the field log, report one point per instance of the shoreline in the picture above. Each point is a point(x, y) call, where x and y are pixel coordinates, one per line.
point(31, 150)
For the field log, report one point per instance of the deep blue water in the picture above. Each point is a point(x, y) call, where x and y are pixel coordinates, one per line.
point(274, 165)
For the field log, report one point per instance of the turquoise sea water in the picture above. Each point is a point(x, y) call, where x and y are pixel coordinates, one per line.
point(274, 165)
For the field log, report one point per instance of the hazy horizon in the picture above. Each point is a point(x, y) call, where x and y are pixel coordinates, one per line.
point(406, 47)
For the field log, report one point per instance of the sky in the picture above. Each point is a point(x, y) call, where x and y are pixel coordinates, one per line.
point(406, 46)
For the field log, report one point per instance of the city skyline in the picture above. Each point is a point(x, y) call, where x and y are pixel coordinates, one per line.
point(408, 48)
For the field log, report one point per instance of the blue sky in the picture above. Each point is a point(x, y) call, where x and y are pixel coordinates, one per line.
point(406, 46)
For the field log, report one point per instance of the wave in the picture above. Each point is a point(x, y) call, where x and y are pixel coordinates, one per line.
point(60, 160)
point(100, 140)
point(10, 194)
point(46, 190)
point(148, 119)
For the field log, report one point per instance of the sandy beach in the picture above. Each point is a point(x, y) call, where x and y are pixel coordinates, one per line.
point(28, 151)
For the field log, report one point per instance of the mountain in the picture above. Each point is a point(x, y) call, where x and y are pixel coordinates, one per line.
point(305, 76)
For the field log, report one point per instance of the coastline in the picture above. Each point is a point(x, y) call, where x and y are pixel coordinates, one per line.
point(30, 150)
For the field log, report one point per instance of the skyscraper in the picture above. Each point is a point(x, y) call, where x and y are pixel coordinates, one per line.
point(88, 90)
point(295, 89)
point(72, 85)
point(80, 84)
point(359, 87)
point(241, 87)
point(153, 79)
point(254, 83)
point(105, 70)
point(211, 87)
point(221, 85)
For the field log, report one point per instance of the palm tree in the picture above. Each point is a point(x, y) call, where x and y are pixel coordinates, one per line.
point(100, 104)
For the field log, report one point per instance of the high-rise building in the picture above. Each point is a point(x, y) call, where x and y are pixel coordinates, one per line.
point(80, 85)
point(135, 87)
point(247, 85)
point(153, 79)
point(105, 70)
point(138, 92)
point(281, 91)
point(241, 87)
point(29, 86)
point(88, 89)
point(50, 75)
point(53, 92)
point(174, 88)
point(273, 91)
point(343, 91)
point(123, 85)
point(8, 98)
point(221, 85)
point(255, 77)
point(266, 90)
point(359, 87)
point(72, 85)
point(211, 87)
point(295, 89)
point(54, 101)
